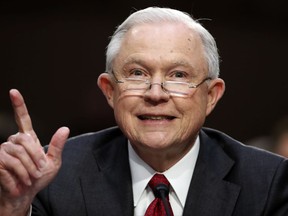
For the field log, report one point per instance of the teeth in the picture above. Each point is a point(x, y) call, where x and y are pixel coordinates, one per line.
point(155, 117)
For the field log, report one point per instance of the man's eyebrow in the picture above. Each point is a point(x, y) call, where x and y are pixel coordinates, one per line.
point(173, 63)
point(182, 63)
point(141, 61)
point(131, 60)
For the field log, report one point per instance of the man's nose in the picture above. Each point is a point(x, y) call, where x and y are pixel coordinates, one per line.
point(156, 93)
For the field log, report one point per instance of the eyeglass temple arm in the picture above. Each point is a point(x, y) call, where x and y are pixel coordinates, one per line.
point(115, 78)
point(196, 85)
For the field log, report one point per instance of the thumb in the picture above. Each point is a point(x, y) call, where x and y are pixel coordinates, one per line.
point(57, 144)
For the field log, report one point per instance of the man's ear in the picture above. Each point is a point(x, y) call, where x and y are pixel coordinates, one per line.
point(215, 92)
point(105, 83)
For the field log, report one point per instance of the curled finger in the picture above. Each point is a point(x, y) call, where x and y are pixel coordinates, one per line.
point(33, 148)
point(13, 166)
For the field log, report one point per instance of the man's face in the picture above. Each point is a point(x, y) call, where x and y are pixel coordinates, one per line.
point(156, 120)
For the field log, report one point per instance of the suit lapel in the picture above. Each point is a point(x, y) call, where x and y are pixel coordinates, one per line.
point(209, 193)
point(108, 183)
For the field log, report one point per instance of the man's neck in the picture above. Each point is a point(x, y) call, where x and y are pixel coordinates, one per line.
point(163, 159)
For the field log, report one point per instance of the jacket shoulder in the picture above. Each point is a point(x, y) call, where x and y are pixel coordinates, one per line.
point(81, 148)
point(239, 151)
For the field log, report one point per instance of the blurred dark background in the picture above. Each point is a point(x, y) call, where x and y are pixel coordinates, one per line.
point(53, 53)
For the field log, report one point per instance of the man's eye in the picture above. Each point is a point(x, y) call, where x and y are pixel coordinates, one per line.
point(179, 74)
point(137, 72)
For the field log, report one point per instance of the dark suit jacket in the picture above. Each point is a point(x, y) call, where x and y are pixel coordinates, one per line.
point(229, 179)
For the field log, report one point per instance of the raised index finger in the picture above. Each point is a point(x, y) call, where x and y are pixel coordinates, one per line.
point(22, 116)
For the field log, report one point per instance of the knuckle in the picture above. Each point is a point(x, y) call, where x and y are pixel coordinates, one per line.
point(19, 150)
point(12, 149)
point(4, 146)
point(25, 138)
point(21, 139)
point(12, 137)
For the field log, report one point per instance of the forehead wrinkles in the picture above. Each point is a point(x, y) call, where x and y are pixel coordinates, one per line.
point(169, 37)
point(180, 49)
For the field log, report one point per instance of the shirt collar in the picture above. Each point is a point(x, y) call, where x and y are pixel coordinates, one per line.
point(178, 175)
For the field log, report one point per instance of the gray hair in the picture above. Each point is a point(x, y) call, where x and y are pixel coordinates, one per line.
point(154, 15)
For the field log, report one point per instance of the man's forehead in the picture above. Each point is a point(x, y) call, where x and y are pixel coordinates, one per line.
point(159, 26)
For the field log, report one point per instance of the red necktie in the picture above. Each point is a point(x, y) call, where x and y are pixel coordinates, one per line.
point(157, 207)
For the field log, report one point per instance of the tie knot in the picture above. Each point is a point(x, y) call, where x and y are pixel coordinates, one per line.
point(159, 182)
point(158, 179)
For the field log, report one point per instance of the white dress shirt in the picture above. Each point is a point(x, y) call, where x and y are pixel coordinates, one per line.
point(178, 175)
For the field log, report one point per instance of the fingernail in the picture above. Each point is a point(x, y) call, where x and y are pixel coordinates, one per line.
point(28, 182)
point(37, 174)
point(42, 163)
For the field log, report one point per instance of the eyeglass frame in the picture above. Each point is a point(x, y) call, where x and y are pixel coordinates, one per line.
point(149, 83)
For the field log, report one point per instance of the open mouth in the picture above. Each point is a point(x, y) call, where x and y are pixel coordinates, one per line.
point(158, 118)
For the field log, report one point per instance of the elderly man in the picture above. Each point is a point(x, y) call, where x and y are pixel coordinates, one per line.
point(162, 82)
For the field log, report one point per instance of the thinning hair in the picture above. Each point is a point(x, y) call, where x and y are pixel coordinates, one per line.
point(157, 15)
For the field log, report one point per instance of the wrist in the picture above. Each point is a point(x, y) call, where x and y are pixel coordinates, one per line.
point(15, 210)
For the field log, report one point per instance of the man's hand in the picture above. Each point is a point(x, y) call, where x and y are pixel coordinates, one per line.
point(25, 169)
